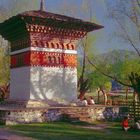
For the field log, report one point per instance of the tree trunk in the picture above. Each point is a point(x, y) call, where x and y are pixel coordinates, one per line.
point(81, 95)
point(105, 96)
point(139, 96)
point(81, 79)
point(126, 97)
point(135, 97)
point(98, 96)
point(4, 91)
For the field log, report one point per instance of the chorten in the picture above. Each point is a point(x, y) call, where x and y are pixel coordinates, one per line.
point(44, 55)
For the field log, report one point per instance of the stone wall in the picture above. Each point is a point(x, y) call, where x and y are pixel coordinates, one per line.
point(87, 114)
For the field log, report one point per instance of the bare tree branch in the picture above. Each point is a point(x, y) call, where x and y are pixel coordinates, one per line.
point(127, 37)
point(138, 2)
point(130, 12)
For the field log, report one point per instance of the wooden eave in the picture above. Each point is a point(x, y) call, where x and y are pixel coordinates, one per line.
point(60, 21)
point(15, 27)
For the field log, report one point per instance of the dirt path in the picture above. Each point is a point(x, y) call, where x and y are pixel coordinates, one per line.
point(9, 135)
point(98, 127)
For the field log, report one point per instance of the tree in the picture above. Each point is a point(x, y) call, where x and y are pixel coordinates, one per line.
point(127, 18)
point(4, 91)
point(4, 73)
point(4, 67)
point(100, 82)
point(126, 15)
point(86, 46)
point(83, 81)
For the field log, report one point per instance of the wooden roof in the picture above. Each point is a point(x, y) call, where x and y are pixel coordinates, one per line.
point(56, 17)
point(17, 24)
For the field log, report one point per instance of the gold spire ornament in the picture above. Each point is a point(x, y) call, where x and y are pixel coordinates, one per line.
point(42, 6)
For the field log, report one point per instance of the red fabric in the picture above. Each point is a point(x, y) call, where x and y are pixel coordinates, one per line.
point(125, 123)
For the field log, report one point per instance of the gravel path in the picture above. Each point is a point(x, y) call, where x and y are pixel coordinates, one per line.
point(9, 135)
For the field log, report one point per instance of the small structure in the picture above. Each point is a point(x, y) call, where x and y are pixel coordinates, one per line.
point(44, 55)
point(44, 68)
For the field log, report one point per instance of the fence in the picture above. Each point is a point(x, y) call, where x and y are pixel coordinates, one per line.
point(117, 102)
point(134, 109)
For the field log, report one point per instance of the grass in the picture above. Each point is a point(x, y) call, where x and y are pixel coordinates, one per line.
point(73, 131)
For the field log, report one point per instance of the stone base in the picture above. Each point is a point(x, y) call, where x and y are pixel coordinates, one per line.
point(37, 115)
point(30, 104)
point(24, 104)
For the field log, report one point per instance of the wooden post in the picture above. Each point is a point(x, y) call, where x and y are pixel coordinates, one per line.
point(98, 96)
point(126, 97)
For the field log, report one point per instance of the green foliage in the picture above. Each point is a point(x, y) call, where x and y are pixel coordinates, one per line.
point(123, 69)
point(4, 67)
point(96, 80)
point(131, 66)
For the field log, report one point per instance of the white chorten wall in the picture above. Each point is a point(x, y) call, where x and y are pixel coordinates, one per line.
point(20, 83)
point(55, 84)
point(44, 83)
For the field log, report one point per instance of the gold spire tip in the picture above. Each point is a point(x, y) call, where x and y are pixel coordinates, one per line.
point(42, 6)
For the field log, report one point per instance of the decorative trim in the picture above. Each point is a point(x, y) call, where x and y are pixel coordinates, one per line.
point(55, 31)
point(20, 51)
point(49, 43)
point(20, 44)
point(44, 59)
point(42, 41)
point(19, 60)
point(44, 50)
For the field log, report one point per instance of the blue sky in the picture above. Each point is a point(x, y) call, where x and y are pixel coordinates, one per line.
point(105, 40)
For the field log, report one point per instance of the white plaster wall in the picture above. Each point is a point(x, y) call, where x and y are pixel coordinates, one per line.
point(20, 83)
point(44, 83)
point(53, 84)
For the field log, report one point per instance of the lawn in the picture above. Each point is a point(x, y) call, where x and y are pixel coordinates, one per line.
point(74, 131)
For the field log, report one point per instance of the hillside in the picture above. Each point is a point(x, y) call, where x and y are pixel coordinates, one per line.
point(116, 55)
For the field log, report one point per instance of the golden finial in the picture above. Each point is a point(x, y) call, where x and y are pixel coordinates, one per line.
point(42, 6)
